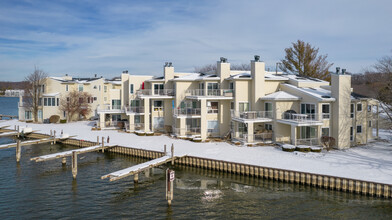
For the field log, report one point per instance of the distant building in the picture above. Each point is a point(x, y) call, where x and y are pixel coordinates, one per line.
point(250, 107)
point(14, 92)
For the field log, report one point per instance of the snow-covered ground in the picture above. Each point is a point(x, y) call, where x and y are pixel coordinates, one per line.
point(372, 162)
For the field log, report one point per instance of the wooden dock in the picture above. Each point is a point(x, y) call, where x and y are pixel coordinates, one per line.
point(137, 168)
point(11, 133)
point(44, 140)
point(69, 153)
point(8, 116)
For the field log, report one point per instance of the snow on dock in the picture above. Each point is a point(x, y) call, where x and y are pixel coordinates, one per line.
point(44, 140)
point(69, 153)
point(138, 168)
point(11, 133)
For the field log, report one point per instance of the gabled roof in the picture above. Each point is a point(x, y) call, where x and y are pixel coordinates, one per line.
point(281, 96)
point(318, 93)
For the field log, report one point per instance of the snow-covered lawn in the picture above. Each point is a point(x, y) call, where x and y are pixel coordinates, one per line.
point(372, 162)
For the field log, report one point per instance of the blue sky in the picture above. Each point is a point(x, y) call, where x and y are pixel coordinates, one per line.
point(86, 37)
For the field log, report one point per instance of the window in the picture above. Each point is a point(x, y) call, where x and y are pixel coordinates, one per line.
point(67, 99)
point(309, 109)
point(40, 102)
point(359, 107)
point(49, 102)
point(370, 124)
point(324, 132)
point(352, 111)
point(45, 102)
point(201, 89)
point(268, 109)
point(99, 87)
point(80, 87)
point(351, 134)
point(369, 108)
point(64, 114)
point(58, 101)
point(308, 132)
point(231, 86)
point(105, 99)
point(116, 117)
point(243, 106)
point(40, 114)
point(137, 119)
point(268, 127)
point(326, 111)
point(158, 105)
point(159, 122)
point(213, 126)
point(131, 88)
point(116, 104)
point(43, 88)
point(95, 87)
point(242, 128)
point(105, 88)
point(66, 88)
point(231, 105)
point(213, 89)
point(158, 89)
point(95, 98)
point(359, 129)
point(28, 115)
point(212, 107)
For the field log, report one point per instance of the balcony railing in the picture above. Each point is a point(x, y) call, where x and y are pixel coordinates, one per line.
point(252, 114)
point(135, 109)
point(110, 108)
point(256, 138)
point(156, 92)
point(301, 118)
point(308, 141)
point(187, 112)
point(136, 127)
point(187, 131)
point(211, 92)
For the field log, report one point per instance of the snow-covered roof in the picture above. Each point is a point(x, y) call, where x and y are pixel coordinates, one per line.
point(275, 77)
point(303, 78)
point(241, 75)
point(197, 77)
point(318, 93)
point(281, 96)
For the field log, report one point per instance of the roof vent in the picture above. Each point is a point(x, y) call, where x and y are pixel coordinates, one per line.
point(257, 58)
point(325, 96)
point(343, 71)
point(170, 64)
point(166, 64)
point(223, 60)
point(337, 70)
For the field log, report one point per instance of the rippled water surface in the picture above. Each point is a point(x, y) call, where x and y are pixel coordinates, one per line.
point(46, 190)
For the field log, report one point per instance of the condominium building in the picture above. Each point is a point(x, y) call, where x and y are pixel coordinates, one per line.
point(248, 107)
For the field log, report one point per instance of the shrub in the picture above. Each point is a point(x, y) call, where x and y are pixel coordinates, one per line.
point(63, 121)
point(54, 119)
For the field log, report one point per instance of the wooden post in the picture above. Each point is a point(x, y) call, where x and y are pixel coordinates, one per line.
point(74, 164)
point(97, 140)
point(172, 154)
point(51, 135)
point(147, 172)
point(18, 151)
point(54, 136)
point(103, 144)
point(18, 131)
point(136, 178)
point(64, 161)
point(164, 150)
point(169, 186)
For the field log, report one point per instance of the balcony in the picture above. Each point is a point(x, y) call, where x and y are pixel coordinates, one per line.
point(266, 137)
point(110, 109)
point(186, 112)
point(135, 109)
point(156, 92)
point(189, 132)
point(211, 93)
point(301, 119)
point(252, 116)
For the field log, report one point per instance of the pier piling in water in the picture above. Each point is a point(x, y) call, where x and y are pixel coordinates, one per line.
point(136, 178)
point(74, 164)
point(64, 161)
point(172, 154)
point(18, 151)
point(103, 145)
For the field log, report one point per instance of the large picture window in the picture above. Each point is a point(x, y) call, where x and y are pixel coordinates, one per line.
point(326, 111)
point(212, 107)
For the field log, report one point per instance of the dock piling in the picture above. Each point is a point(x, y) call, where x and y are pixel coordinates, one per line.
point(169, 186)
point(18, 131)
point(97, 140)
point(74, 164)
point(54, 136)
point(18, 151)
point(64, 161)
point(172, 154)
point(103, 145)
point(136, 178)
point(164, 150)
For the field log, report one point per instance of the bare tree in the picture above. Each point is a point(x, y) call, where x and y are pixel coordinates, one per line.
point(303, 59)
point(76, 104)
point(384, 66)
point(33, 91)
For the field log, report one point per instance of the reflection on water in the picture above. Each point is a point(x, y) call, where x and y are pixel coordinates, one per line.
point(47, 190)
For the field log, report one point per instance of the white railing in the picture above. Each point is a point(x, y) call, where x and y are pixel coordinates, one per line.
point(308, 141)
point(135, 109)
point(306, 118)
point(109, 108)
point(255, 138)
point(136, 127)
point(115, 124)
point(187, 111)
point(252, 114)
point(156, 92)
point(211, 92)
point(187, 131)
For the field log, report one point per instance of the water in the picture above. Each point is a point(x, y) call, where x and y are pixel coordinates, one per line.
point(47, 190)
point(9, 105)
